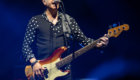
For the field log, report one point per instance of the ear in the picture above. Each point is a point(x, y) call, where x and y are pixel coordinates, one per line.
point(44, 2)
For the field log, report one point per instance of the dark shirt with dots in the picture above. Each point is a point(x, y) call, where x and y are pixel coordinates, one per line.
point(34, 32)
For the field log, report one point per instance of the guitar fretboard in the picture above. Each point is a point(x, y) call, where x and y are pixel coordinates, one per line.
point(69, 58)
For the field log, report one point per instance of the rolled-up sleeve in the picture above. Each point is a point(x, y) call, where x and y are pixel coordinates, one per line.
point(29, 38)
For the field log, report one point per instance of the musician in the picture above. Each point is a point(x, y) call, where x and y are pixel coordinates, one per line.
point(44, 35)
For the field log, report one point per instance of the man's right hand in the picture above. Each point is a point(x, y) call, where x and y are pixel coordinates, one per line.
point(37, 69)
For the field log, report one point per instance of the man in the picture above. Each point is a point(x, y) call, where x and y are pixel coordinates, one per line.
point(46, 32)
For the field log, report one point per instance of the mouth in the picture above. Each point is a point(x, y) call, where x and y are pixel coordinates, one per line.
point(53, 3)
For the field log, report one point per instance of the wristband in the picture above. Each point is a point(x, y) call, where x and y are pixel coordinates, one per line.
point(32, 64)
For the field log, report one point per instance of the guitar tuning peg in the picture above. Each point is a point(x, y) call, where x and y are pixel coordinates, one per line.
point(114, 25)
point(119, 24)
point(110, 26)
point(123, 22)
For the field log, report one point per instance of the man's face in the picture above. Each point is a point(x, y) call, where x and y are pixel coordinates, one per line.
point(51, 4)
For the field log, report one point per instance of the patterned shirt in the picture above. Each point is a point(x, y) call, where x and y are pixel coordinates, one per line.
point(32, 31)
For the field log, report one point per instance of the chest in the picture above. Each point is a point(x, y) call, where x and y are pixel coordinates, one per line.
point(48, 28)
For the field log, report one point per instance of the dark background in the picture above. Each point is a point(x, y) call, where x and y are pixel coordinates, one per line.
point(121, 58)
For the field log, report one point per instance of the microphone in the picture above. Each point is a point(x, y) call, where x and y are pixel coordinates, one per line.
point(55, 1)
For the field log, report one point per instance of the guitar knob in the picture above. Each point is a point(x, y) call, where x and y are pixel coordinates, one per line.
point(46, 73)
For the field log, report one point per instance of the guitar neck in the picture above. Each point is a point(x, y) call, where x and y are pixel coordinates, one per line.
point(69, 58)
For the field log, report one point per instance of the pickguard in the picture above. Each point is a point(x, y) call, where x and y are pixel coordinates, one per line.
point(54, 72)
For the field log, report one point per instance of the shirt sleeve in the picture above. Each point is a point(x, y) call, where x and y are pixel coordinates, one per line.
point(79, 35)
point(29, 38)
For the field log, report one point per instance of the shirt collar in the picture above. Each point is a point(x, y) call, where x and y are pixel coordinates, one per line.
point(46, 18)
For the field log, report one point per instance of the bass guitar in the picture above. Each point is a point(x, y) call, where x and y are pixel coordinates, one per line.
point(54, 62)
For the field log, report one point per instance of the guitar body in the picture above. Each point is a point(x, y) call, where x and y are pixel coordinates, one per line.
point(50, 64)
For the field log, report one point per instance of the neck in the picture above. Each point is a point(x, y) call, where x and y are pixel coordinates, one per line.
point(52, 13)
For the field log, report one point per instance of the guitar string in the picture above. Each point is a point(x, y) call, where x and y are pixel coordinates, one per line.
point(85, 46)
point(54, 69)
point(51, 71)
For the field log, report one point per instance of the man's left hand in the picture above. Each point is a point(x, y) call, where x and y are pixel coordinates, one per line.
point(104, 41)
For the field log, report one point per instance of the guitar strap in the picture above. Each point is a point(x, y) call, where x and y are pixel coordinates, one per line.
point(65, 25)
point(66, 31)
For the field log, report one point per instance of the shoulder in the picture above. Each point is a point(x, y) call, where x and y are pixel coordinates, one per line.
point(36, 17)
point(68, 16)
point(33, 22)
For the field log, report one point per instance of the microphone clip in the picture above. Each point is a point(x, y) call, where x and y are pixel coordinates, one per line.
point(55, 1)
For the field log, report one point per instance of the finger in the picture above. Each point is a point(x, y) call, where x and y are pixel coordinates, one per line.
point(33, 74)
point(37, 74)
point(106, 39)
point(99, 44)
point(103, 43)
point(41, 73)
point(102, 39)
point(42, 70)
point(106, 35)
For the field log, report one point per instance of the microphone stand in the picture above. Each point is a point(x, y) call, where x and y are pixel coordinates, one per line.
point(73, 39)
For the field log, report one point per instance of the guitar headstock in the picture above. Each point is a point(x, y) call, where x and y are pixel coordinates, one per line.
point(115, 32)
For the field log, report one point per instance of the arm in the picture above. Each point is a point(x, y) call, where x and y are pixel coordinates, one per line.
point(27, 47)
point(79, 35)
point(81, 38)
point(28, 41)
